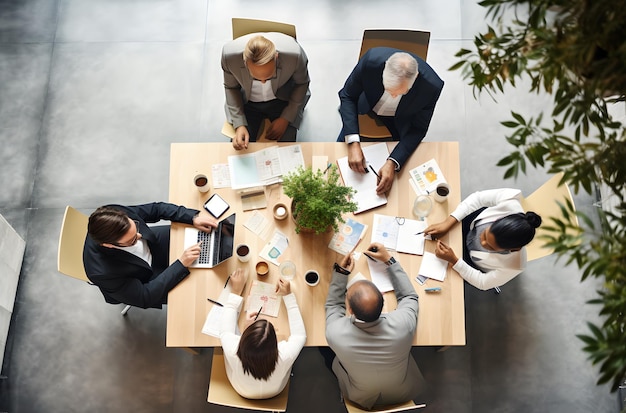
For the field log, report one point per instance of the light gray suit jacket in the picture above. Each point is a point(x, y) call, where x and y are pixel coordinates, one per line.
point(374, 365)
point(290, 84)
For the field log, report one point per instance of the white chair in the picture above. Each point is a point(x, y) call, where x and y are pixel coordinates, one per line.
point(71, 244)
point(401, 407)
point(412, 41)
point(222, 393)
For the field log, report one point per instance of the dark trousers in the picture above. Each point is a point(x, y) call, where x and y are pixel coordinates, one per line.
point(380, 120)
point(256, 112)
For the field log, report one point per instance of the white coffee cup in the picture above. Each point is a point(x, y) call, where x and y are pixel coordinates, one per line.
point(201, 181)
point(287, 270)
point(441, 192)
point(243, 252)
point(312, 278)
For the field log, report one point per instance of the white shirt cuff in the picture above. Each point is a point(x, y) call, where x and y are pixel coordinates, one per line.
point(352, 138)
point(397, 168)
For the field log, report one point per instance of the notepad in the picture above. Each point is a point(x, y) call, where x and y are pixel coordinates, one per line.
point(399, 234)
point(433, 267)
point(263, 296)
point(365, 184)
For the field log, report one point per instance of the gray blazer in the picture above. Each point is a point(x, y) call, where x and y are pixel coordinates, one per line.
point(290, 84)
point(374, 365)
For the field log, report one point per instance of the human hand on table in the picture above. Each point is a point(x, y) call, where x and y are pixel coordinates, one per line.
point(190, 254)
point(378, 251)
point(347, 262)
point(283, 287)
point(386, 174)
point(241, 139)
point(441, 228)
point(445, 253)
point(277, 129)
point(237, 281)
point(356, 159)
point(204, 222)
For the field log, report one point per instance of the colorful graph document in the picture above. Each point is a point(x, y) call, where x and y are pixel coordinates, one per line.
point(425, 178)
point(349, 235)
point(263, 296)
point(264, 167)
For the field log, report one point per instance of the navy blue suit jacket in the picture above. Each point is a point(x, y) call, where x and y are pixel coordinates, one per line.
point(125, 278)
point(364, 88)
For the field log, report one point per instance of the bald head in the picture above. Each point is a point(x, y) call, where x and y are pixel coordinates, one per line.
point(365, 301)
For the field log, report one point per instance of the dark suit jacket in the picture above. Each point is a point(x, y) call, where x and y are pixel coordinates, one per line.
point(364, 88)
point(125, 278)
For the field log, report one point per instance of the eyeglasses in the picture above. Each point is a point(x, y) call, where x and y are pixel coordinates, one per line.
point(132, 241)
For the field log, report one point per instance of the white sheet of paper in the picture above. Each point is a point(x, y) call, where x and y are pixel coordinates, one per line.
point(273, 250)
point(385, 230)
point(433, 267)
point(211, 325)
point(221, 175)
point(259, 225)
point(380, 278)
point(408, 242)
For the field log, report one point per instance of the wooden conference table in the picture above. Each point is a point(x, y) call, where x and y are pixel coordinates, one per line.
point(441, 315)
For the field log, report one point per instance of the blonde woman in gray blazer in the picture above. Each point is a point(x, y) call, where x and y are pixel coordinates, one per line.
point(265, 76)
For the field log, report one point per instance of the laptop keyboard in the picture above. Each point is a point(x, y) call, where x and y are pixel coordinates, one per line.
point(206, 255)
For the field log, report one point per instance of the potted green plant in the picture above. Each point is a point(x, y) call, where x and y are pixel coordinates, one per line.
point(318, 201)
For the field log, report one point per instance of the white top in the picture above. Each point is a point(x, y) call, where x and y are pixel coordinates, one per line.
point(246, 385)
point(140, 249)
point(261, 91)
point(498, 268)
point(387, 105)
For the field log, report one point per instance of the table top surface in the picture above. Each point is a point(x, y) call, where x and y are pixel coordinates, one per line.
point(441, 319)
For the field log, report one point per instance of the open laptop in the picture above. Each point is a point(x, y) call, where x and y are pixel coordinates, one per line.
point(217, 245)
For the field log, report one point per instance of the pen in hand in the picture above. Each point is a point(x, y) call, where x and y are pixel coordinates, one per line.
point(258, 313)
point(375, 173)
point(227, 280)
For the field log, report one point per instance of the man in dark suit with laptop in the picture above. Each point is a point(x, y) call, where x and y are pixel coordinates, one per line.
point(129, 261)
point(396, 88)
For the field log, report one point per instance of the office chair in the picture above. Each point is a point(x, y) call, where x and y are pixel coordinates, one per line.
point(71, 244)
point(412, 41)
point(545, 202)
point(222, 393)
point(401, 407)
point(241, 27)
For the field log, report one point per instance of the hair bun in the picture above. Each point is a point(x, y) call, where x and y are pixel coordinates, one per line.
point(533, 219)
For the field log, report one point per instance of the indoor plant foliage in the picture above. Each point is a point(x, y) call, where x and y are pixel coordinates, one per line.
point(575, 51)
point(318, 201)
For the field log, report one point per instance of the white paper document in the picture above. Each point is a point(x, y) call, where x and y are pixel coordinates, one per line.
point(264, 167)
point(263, 298)
point(378, 273)
point(425, 178)
point(399, 234)
point(365, 184)
point(433, 267)
point(211, 325)
point(275, 248)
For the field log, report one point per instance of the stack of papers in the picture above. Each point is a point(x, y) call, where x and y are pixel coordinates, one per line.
point(425, 178)
point(365, 184)
point(211, 325)
point(264, 167)
point(349, 235)
point(399, 234)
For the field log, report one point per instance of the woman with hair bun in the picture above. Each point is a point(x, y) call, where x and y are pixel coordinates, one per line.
point(495, 231)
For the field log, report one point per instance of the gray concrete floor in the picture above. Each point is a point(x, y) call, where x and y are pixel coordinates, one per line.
point(91, 96)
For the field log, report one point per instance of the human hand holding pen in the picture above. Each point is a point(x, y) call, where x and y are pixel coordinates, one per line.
point(347, 261)
point(283, 287)
point(190, 254)
point(445, 253)
point(440, 228)
point(237, 281)
point(378, 252)
point(386, 175)
point(356, 159)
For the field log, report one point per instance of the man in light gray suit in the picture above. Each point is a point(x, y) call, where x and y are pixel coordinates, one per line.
point(373, 362)
point(265, 76)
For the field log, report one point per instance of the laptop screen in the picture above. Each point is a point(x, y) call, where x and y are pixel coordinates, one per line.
point(225, 238)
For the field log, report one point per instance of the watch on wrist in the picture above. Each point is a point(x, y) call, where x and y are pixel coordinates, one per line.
point(340, 269)
point(390, 261)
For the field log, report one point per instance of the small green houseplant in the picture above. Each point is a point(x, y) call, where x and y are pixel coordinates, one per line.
point(318, 202)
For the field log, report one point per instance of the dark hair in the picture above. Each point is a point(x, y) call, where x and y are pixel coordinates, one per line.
point(366, 301)
point(515, 230)
point(107, 225)
point(258, 349)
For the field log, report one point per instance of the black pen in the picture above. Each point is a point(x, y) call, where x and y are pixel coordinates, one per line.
point(216, 302)
point(258, 313)
point(375, 173)
point(227, 280)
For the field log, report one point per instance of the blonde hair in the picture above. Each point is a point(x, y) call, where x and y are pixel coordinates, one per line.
point(259, 51)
